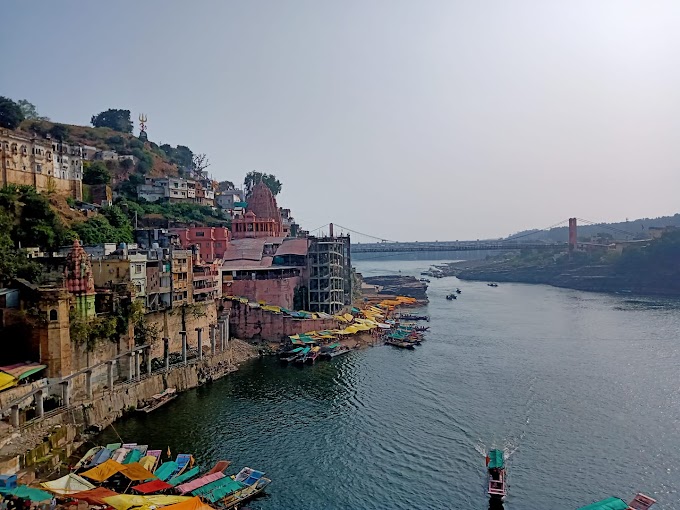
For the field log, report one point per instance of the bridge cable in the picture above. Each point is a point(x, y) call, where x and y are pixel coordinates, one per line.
point(362, 234)
point(537, 231)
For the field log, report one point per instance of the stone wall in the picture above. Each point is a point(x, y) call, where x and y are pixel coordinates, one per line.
point(169, 324)
point(279, 292)
point(256, 324)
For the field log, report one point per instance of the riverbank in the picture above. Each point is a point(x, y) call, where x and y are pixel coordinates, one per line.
point(40, 446)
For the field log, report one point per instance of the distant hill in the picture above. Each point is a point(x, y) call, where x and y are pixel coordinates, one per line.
point(628, 230)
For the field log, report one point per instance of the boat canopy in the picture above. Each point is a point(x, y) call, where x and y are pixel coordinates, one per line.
point(68, 484)
point(296, 350)
point(607, 504)
point(306, 350)
point(127, 501)
point(26, 492)
point(334, 346)
point(94, 496)
point(175, 481)
point(496, 460)
point(166, 470)
point(152, 486)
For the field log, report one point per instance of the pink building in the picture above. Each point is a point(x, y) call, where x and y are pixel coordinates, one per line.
point(212, 242)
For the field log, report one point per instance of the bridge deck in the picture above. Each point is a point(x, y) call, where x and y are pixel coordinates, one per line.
point(462, 246)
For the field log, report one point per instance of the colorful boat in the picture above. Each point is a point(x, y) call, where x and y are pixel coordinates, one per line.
point(313, 355)
point(254, 482)
point(302, 357)
point(640, 502)
point(292, 355)
point(495, 464)
point(399, 343)
point(333, 350)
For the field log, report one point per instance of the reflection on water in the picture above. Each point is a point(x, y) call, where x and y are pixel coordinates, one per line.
point(552, 376)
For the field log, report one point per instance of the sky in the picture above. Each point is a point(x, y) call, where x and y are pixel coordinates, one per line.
point(405, 120)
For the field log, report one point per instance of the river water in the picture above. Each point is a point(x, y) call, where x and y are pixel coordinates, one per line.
point(581, 390)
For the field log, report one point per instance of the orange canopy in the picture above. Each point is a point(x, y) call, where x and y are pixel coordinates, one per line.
point(194, 503)
point(135, 472)
point(94, 496)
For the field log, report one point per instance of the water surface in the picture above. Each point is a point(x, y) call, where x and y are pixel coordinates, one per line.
point(581, 390)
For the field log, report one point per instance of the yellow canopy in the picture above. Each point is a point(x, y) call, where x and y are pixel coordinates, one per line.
point(148, 462)
point(194, 503)
point(127, 501)
point(7, 381)
point(348, 317)
point(103, 471)
point(68, 484)
point(351, 329)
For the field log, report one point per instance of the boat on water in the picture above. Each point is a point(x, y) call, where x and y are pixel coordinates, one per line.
point(302, 358)
point(334, 350)
point(451, 297)
point(492, 284)
point(158, 400)
point(254, 483)
point(424, 280)
point(413, 317)
point(402, 344)
point(640, 502)
point(313, 355)
point(495, 464)
point(458, 291)
point(292, 355)
point(421, 329)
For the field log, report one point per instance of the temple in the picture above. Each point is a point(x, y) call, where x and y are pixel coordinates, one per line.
point(262, 217)
point(79, 280)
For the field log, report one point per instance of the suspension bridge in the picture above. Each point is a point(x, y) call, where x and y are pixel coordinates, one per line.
point(523, 241)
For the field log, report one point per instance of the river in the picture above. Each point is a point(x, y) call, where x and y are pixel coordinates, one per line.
point(580, 389)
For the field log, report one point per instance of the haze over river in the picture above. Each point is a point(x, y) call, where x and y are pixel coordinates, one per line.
point(581, 390)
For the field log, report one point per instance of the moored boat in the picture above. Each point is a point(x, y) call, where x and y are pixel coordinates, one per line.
point(640, 502)
point(313, 355)
point(292, 355)
point(399, 343)
point(495, 464)
point(158, 400)
point(300, 360)
point(254, 482)
point(492, 284)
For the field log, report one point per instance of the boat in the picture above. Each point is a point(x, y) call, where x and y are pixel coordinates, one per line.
point(302, 357)
point(421, 328)
point(254, 483)
point(313, 354)
point(458, 291)
point(402, 344)
point(413, 317)
point(492, 284)
point(288, 356)
point(451, 297)
point(424, 280)
point(640, 502)
point(495, 464)
point(158, 400)
point(335, 350)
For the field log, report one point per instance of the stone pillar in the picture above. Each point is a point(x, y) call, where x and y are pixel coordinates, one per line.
point(39, 408)
point(66, 392)
point(131, 362)
point(14, 417)
point(138, 372)
point(184, 346)
point(148, 361)
point(222, 335)
point(166, 353)
point(109, 374)
point(212, 339)
point(88, 384)
point(199, 332)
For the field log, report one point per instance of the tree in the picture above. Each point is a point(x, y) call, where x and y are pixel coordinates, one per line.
point(118, 120)
point(96, 173)
point(29, 110)
point(59, 132)
point(199, 162)
point(270, 180)
point(225, 186)
point(10, 113)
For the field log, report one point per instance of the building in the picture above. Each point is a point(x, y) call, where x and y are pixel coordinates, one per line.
point(177, 189)
point(182, 275)
point(229, 199)
point(205, 194)
point(330, 273)
point(262, 217)
point(207, 281)
point(211, 242)
point(273, 270)
point(46, 165)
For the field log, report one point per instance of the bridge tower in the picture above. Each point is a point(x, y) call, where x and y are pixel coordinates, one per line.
point(572, 235)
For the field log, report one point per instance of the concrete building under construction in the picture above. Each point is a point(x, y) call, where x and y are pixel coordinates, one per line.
point(330, 273)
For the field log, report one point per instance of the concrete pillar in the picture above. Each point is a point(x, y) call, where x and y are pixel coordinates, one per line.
point(88, 384)
point(148, 361)
point(14, 417)
point(199, 333)
point(166, 353)
point(138, 371)
point(184, 345)
point(39, 407)
point(212, 339)
point(222, 337)
point(66, 392)
point(109, 374)
point(131, 363)
point(231, 354)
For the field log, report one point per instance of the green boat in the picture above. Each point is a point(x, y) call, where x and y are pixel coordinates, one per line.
point(495, 464)
point(640, 502)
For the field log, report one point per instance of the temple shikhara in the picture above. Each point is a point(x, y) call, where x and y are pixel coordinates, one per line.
point(262, 217)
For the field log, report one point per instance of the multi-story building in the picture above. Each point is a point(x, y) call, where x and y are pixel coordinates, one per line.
point(212, 242)
point(205, 194)
point(330, 273)
point(46, 165)
point(207, 282)
point(231, 199)
point(182, 274)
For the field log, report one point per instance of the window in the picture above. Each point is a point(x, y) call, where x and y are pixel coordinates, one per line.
point(200, 234)
point(218, 245)
point(38, 168)
point(53, 315)
point(138, 268)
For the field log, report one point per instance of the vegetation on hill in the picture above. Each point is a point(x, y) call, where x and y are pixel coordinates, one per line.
point(10, 113)
point(118, 120)
point(270, 180)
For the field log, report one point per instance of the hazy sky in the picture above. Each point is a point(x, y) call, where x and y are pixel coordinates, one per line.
point(409, 120)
